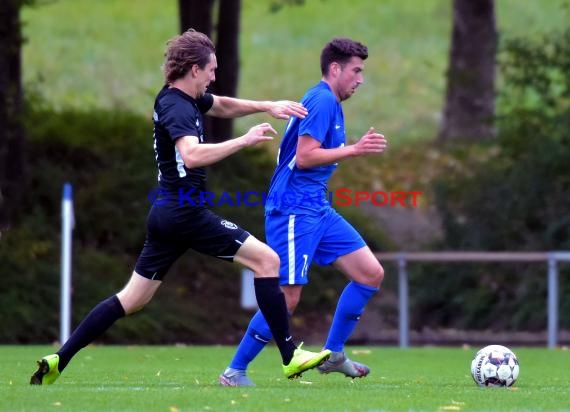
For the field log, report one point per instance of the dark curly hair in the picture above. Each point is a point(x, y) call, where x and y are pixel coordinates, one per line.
point(340, 50)
point(184, 51)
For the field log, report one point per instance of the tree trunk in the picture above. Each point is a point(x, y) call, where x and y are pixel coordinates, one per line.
point(196, 14)
point(227, 74)
point(12, 137)
point(470, 101)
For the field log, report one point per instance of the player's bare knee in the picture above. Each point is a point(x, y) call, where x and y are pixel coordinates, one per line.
point(131, 304)
point(129, 309)
point(271, 262)
point(143, 302)
point(267, 263)
point(378, 275)
point(375, 276)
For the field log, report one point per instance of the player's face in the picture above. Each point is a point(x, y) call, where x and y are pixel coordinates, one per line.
point(351, 76)
point(207, 75)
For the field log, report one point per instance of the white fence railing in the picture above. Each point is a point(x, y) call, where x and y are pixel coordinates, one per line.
point(402, 259)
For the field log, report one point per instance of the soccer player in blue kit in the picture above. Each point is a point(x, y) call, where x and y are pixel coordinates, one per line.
point(183, 222)
point(300, 224)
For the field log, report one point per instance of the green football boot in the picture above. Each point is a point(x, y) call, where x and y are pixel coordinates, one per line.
point(47, 372)
point(304, 360)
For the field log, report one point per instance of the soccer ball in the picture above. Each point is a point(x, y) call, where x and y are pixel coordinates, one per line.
point(495, 365)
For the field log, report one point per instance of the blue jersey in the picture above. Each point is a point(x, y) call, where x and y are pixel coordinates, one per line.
point(304, 191)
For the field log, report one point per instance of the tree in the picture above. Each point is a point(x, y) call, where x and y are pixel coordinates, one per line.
point(470, 99)
point(196, 14)
point(199, 14)
point(227, 46)
point(12, 138)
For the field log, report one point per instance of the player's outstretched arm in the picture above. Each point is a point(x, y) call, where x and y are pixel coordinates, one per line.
point(230, 107)
point(195, 154)
point(310, 153)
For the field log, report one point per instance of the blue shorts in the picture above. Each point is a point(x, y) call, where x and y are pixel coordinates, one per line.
point(301, 239)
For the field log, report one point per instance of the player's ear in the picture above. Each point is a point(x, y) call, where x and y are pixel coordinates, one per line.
point(335, 69)
point(194, 69)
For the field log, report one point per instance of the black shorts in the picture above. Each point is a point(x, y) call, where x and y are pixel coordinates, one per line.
point(172, 230)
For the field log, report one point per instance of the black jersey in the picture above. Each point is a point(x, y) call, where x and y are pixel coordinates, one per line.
point(177, 114)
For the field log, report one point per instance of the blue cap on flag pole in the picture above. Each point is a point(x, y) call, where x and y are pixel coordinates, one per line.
point(67, 191)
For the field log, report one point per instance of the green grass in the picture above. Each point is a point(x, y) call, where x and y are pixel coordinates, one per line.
point(108, 53)
point(170, 379)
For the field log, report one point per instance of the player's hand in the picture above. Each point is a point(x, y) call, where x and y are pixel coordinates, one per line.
point(283, 109)
point(258, 134)
point(371, 143)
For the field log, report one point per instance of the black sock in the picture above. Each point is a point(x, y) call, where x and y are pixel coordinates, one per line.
point(271, 302)
point(93, 325)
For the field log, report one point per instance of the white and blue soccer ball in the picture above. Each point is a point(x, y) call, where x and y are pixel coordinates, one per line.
point(495, 365)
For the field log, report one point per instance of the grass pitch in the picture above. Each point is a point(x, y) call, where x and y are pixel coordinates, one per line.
point(171, 379)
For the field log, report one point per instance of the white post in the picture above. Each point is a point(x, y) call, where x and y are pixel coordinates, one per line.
point(248, 300)
point(403, 302)
point(552, 304)
point(67, 220)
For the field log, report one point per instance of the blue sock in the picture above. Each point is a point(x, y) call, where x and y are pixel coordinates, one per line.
point(350, 306)
point(256, 337)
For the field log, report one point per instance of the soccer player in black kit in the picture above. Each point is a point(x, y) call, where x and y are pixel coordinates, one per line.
point(183, 222)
